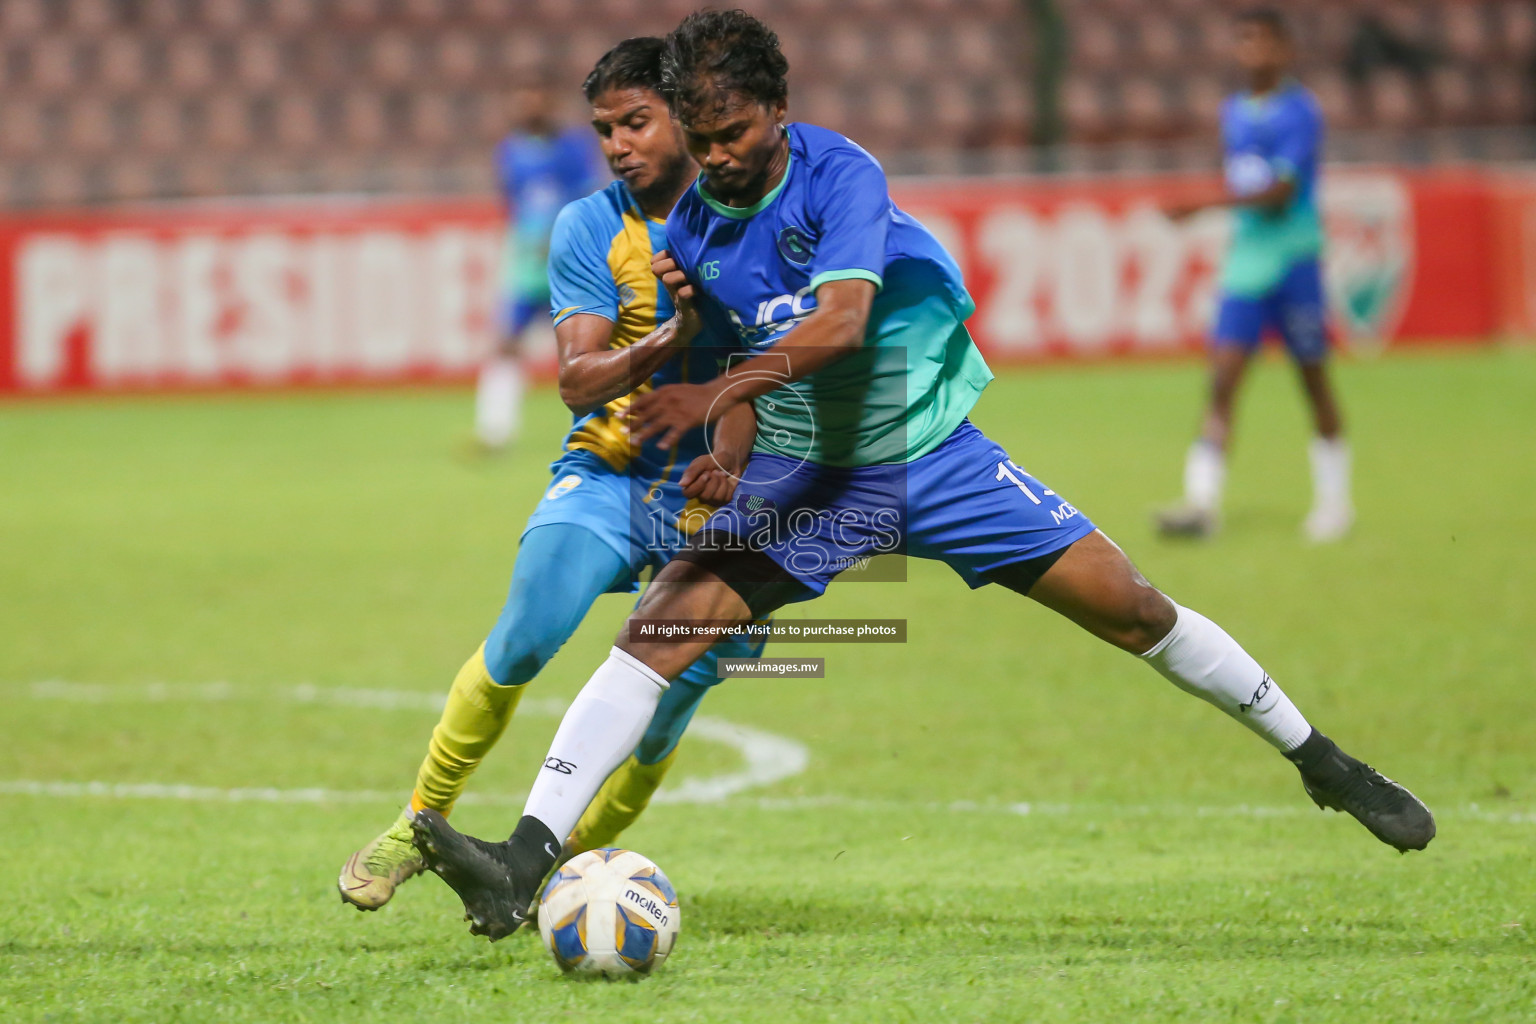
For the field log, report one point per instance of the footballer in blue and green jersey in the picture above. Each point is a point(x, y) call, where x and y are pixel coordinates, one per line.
point(873, 453)
point(1271, 279)
point(831, 218)
point(1269, 138)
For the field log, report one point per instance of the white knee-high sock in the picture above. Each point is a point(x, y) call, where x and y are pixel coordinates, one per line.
point(1199, 657)
point(498, 401)
point(1330, 472)
point(1205, 475)
point(599, 731)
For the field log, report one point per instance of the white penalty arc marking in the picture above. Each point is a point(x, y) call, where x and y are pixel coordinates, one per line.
point(767, 757)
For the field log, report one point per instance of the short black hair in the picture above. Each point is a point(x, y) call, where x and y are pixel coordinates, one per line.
point(633, 64)
point(714, 54)
point(1269, 17)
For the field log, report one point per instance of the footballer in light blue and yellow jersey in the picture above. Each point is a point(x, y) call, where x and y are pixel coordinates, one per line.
point(600, 263)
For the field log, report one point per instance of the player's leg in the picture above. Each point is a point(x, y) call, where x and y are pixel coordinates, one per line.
point(560, 570)
point(977, 510)
point(628, 791)
point(604, 724)
point(1095, 585)
point(499, 389)
point(720, 580)
point(1303, 327)
point(1239, 328)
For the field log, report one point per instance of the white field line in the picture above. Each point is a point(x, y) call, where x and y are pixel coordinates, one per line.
point(767, 758)
point(260, 794)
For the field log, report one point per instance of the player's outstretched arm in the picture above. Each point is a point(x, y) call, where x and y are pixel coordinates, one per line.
point(1274, 198)
point(592, 373)
point(834, 330)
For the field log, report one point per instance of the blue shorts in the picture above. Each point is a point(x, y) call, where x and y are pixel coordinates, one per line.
point(1294, 309)
point(631, 514)
point(966, 503)
point(518, 311)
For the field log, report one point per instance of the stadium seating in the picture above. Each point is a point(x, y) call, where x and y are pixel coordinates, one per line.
point(104, 100)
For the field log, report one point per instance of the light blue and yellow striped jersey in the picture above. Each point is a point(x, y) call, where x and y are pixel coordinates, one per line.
point(600, 263)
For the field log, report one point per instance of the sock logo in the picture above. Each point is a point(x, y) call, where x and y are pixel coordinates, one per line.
point(1258, 695)
point(554, 764)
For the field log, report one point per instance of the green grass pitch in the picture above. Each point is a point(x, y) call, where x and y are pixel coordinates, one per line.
point(999, 820)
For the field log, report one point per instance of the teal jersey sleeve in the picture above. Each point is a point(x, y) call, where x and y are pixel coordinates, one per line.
point(580, 280)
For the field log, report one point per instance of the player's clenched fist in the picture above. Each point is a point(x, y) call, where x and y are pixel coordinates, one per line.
point(708, 481)
point(676, 283)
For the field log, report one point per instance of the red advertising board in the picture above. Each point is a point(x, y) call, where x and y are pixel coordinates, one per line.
point(1514, 246)
point(294, 293)
point(1093, 269)
point(287, 294)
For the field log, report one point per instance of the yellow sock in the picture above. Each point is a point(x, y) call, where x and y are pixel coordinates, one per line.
point(623, 796)
point(477, 712)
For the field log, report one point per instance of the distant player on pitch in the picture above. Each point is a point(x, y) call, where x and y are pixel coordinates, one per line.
point(863, 377)
point(1271, 280)
point(540, 167)
point(614, 505)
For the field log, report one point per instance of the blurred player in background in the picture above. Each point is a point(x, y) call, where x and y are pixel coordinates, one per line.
point(540, 167)
point(613, 506)
point(790, 235)
point(1271, 279)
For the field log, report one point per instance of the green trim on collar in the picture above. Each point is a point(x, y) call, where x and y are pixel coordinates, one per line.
point(743, 212)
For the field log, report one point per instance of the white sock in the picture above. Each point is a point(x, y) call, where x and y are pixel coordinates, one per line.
point(1205, 473)
point(599, 730)
point(1199, 657)
point(1330, 472)
point(498, 401)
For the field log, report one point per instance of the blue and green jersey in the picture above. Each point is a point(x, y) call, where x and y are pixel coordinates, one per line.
point(1274, 137)
point(831, 218)
point(537, 176)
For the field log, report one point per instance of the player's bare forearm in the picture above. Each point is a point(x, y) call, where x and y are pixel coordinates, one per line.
point(712, 477)
point(593, 374)
point(833, 331)
point(1273, 198)
point(735, 433)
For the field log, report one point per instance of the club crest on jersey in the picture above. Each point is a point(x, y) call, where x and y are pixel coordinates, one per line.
point(795, 247)
point(563, 486)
